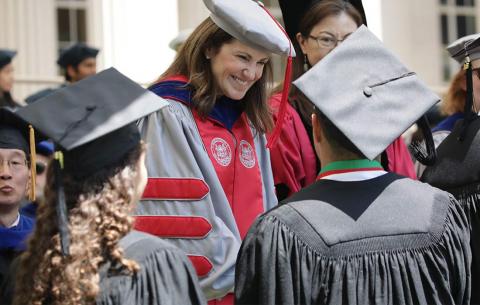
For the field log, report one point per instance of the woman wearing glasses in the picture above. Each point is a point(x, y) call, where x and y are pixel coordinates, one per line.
point(316, 28)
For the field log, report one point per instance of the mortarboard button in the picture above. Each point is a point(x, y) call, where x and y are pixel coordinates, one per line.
point(368, 91)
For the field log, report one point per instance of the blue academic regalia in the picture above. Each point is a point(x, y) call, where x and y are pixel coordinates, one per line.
point(12, 243)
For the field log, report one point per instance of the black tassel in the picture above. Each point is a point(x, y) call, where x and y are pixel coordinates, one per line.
point(62, 217)
point(424, 150)
point(469, 114)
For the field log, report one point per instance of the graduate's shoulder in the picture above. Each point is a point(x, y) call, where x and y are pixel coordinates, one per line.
point(336, 218)
point(139, 246)
point(389, 183)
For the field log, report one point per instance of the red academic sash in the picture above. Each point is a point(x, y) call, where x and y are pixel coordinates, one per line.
point(235, 161)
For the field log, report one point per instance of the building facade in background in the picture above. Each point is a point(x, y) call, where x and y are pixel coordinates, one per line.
point(133, 35)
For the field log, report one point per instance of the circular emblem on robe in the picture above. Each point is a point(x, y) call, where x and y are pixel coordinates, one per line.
point(221, 151)
point(247, 156)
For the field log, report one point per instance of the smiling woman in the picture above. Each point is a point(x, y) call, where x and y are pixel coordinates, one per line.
point(236, 67)
point(209, 144)
point(217, 66)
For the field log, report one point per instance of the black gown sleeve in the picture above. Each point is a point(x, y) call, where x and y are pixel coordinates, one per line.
point(263, 274)
point(469, 197)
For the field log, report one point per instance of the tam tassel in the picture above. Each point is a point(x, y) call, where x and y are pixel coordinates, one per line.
point(33, 161)
point(286, 89)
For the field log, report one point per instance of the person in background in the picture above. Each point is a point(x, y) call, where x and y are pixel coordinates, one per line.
point(209, 168)
point(15, 160)
point(359, 234)
point(83, 250)
point(457, 167)
point(454, 102)
point(77, 62)
point(44, 154)
point(7, 79)
point(316, 27)
point(177, 42)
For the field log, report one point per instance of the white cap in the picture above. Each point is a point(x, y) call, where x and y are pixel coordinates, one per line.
point(249, 22)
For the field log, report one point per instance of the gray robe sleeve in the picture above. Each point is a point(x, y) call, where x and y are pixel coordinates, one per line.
point(175, 150)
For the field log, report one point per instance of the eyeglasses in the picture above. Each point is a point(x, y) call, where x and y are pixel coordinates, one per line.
point(40, 167)
point(15, 164)
point(326, 40)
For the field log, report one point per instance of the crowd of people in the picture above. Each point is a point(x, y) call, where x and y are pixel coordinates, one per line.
point(208, 187)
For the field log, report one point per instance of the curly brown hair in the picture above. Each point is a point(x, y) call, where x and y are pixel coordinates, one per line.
point(99, 216)
point(191, 62)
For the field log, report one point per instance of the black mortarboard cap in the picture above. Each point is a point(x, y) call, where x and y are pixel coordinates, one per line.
point(6, 57)
point(93, 124)
point(76, 54)
point(13, 132)
point(294, 10)
point(92, 121)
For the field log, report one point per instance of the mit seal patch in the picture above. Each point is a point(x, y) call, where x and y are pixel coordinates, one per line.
point(247, 155)
point(221, 151)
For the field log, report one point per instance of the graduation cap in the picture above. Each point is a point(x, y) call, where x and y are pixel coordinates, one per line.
point(293, 12)
point(366, 92)
point(6, 57)
point(466, 51)
point(457, 49)
point(251, 23)
point(92, 123)
point(16, 134)
point(76, 54)
point(176, 42)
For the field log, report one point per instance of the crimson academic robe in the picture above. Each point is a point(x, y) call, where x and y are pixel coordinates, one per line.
point(209, 178)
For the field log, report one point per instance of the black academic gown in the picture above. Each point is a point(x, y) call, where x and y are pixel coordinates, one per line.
point(166, 275)
point(386, 240)
point(457, 171)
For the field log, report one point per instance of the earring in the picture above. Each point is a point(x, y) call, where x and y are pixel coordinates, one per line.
point(306, 66)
